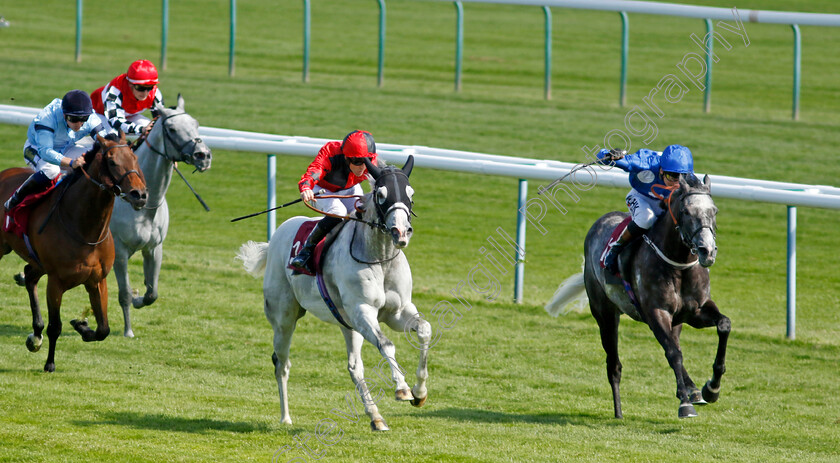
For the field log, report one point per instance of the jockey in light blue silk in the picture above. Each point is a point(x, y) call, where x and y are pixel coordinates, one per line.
point(649, 170)
point(53, 141)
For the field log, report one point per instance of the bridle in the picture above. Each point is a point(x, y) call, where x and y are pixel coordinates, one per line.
point(187, 149)
point(687, 237)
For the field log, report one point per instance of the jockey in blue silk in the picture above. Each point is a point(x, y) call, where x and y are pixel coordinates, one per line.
point(647, 169)
point(52, 141)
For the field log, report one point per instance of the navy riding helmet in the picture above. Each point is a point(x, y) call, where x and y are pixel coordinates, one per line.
point(76, 103)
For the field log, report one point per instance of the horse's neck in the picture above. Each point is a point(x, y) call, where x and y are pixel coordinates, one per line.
point(375, 244)
point(156, 169)
point(667, 237)
point(87, 205)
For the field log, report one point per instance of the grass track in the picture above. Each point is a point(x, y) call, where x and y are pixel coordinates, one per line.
point(507, 382)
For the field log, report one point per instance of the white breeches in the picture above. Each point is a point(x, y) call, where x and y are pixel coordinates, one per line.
point(644, 209)
point(52, 170)
point(338, 206)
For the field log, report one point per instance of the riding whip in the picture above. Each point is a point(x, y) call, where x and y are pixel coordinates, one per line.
point(541, 190)
point(268, 210)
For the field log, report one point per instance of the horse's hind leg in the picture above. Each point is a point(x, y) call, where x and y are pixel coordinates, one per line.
point(406, 321)
point(98, 296)
point(711, 316)
point(124, 286)
point(30, 279)
point(608, 326)
point(353, 340)
point(282, 312)
point(152, 259)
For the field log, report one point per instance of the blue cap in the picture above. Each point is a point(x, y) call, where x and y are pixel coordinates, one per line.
point(76, 103)
point(677, 158)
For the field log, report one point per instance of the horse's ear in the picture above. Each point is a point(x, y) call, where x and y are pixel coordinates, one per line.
point(180, 105)
point(159, 107)
point(707, 181)
point(409, 164)
point(375, 171)
point(122, 136)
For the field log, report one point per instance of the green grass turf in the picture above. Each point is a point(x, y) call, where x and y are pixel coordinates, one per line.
point(507, 382)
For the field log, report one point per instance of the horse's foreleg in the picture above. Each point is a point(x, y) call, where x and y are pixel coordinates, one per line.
point(367, 325)
point(98, 296)
point(353, 341)
point(608, 321)
point(54, 294)
point(408, 321)
point(124, 288)
point(660, 324)
point(694, 393)
point(31, 277)
point(151, 273)
point(710, 316)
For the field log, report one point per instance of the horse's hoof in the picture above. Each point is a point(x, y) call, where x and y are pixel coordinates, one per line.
point(78, 324)
point(20, 279)
point(33, 343)
point(49, 367)
point(696, 397)
point(418, 402)
point(403, 395)
point(379, 425)
point(128, 334)
point(286, 420)
point(687, 411)
point(709, 394)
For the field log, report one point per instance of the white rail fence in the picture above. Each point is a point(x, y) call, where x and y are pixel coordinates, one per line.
point(786, 193)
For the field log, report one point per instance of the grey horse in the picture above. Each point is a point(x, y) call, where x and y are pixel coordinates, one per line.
point(670, 288)
point(173, 138)
point(369, 280)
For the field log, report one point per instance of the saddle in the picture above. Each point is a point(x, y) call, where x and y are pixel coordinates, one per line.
point(16, 220)
point(623, 257)
point(320, 249)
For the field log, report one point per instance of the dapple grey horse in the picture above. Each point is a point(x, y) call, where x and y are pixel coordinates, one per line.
point(173, 138)
point(670, 288)
point(369, 280)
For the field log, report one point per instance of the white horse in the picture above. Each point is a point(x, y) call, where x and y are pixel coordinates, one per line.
point(369, 280)
point(173, 138)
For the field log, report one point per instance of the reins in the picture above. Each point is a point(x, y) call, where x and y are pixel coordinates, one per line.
point(687, 243)
point(376, 225)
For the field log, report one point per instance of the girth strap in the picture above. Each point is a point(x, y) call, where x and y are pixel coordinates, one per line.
point(325, 295)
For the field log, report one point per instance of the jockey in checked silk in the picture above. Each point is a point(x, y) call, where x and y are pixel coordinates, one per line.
point(647, 170)
point(120, 103)
point(52, 141)
point(338, 169)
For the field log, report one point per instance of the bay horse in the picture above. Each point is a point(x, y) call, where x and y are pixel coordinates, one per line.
point(369, 279)
point(173, 138)
point(68, 231)
point(670, 288)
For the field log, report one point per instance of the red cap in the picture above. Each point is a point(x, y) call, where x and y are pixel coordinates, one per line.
point(358, 144)
point(142, 72)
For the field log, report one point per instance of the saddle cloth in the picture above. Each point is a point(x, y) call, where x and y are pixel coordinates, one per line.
point(320, 249)
point(17, 220)
point(619, 229)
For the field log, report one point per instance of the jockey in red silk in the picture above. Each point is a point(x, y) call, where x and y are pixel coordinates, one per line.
point(338, 169)
point(647, 168)
point(120, 103)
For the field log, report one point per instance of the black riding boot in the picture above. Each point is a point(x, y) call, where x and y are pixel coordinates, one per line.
point(630, 234)
point(36, 183)
point(301, 261)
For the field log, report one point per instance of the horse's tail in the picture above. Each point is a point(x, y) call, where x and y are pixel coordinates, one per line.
point(570, 296)
point(253, 256)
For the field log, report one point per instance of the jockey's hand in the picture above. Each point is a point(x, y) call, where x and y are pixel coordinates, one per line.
point(615, 154)
point(307, 196)
point(77, 162)
point(145, 130)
